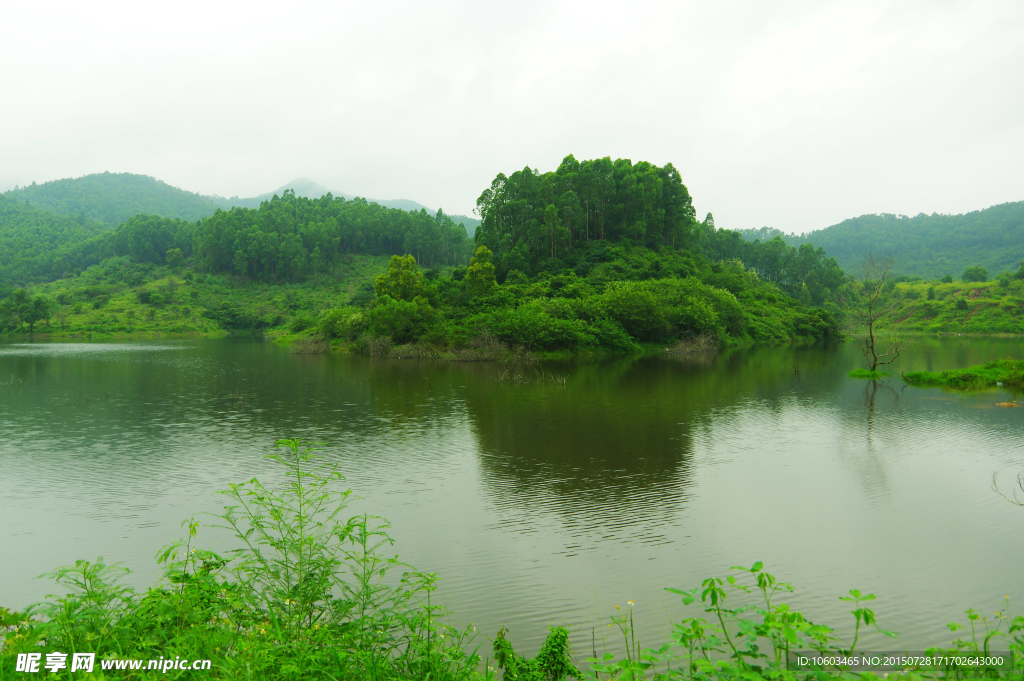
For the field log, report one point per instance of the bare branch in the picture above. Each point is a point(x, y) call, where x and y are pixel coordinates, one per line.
point(1020, 483)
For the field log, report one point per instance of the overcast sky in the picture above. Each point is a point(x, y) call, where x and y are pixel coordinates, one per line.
point(787, 113)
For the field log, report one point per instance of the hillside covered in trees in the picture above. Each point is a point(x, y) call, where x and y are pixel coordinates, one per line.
point(598, 255)
point(288, 238)
point(35, 244)
point(112, 198)
point(926, 246)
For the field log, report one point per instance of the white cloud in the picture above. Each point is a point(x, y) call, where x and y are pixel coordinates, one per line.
point(795, 114)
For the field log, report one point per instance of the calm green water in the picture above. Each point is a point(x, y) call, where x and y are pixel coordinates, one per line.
point(538, 504)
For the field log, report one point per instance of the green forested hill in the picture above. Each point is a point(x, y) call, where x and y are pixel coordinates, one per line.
point(56, 227)
point(288, 238)
point(112, 198)
point(35, 244)
point(927, 246)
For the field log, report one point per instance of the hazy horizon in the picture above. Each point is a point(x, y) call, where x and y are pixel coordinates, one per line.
point(795, 115)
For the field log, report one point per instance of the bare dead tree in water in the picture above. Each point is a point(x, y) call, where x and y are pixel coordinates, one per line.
point(878, 300)
point(1020, 483)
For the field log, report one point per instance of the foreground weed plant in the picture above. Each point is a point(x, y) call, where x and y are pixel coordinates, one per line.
point(308, 595)
point(759, 639)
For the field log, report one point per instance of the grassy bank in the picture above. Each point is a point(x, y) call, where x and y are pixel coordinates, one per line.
point(311, 594)
point(962, 307)
point(1005, 373)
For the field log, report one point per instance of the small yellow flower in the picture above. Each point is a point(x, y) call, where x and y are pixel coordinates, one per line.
point(630, 602)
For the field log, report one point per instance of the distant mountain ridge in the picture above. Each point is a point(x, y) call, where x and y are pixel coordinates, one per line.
point(927, 246)
point(112, 198)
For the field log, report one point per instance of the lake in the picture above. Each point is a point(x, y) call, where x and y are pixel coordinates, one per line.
point(542, 494)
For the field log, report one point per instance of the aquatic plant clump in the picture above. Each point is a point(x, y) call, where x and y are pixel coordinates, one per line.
point(1006, 373)
point(868, 374)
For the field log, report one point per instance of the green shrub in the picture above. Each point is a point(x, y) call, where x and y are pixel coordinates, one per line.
point(610, 334)
point(974, 274)
point(301, 322)
point(531, 326)
point(403, 321)
point(345, 322)
point(636, 308)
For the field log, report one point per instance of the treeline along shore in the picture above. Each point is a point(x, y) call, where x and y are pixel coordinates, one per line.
point(597, 256)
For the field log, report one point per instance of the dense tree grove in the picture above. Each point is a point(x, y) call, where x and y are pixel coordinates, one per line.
point(289, 236)
point(529, 218)
point(805, 272)
point(536, 222)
